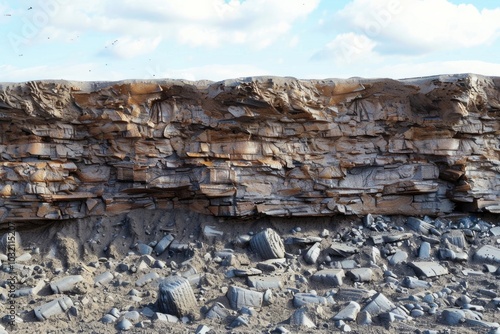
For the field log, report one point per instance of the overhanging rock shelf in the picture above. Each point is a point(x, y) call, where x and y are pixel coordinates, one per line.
point(246, 147)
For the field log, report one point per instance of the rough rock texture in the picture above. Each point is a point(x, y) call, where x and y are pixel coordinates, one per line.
point(256, 146)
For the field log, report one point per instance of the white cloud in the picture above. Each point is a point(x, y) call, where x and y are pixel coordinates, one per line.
point(81, 72)
point(348, 48)
point(255, 23)
point(410, 70)
point(421, 26)
point(97, 72)
point(294, 41)
point(132, 47)
point(214, 72)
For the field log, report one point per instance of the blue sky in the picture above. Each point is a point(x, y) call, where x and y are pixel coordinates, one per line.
point(221, 39)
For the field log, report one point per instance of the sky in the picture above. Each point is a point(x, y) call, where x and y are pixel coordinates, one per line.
point(108, 40)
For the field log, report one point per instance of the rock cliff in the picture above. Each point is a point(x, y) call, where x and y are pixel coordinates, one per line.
point(256, 146)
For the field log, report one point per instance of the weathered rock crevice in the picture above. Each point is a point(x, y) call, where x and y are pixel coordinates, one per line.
point(257, 146)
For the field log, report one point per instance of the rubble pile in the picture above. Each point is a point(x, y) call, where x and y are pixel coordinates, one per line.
point(370, 275)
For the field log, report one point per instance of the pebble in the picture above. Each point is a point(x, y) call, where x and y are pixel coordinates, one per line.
point(424, 251)
point(132, 315)
point(203, 329)
point(452, 316)
point(398, 257)
point(364, 318)
point(144, 249)
point(114, 312)
point(124, 325)
point(415, 313)
point(211, 231)
point(108, 319)
point(165, 318)
point(325, 233)
point(103, 278)
point(414, 283)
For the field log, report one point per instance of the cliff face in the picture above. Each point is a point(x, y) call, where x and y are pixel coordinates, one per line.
point(266, 145)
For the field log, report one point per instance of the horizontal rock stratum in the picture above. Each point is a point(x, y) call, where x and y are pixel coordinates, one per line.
point(247, 147)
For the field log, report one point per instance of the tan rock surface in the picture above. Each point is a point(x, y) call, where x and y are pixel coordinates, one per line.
point(256, 146)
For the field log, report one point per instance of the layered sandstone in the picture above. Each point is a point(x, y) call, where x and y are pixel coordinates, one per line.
point(256, 146)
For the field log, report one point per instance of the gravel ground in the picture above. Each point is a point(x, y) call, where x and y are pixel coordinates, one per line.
point(180, 272)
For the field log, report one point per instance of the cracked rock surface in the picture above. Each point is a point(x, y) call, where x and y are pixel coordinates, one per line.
point(249, 147)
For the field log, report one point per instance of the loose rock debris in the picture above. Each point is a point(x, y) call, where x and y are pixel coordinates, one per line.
point(249, 278)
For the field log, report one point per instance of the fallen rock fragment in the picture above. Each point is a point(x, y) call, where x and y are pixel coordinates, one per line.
point(268, 244)
point(240, 297)
point(360, 274)
point(176, 296)
point(398, 257)
point(264, 282)
point(312, 254)
point(300, 318)
point(341, 250)
point(353, 294)
point(163, 244)
point(424, 251)
point(456, 237)
point(330, 277)
point(428, 269)
point(303, 299)
point(246, 272)
point(418, 225)
point(349, 312)
point(379, 304)
point(146, 278)
point(65, 284)
point(55, 307)
point(452, 316)
point(103, 278)
point(414, 283)
point(272, 264)
point(488, 253)
point(217, 311)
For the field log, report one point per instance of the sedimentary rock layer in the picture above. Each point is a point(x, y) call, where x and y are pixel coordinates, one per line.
point(256, 146)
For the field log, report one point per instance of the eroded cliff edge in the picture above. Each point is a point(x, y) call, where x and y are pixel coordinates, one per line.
point(256, 146)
